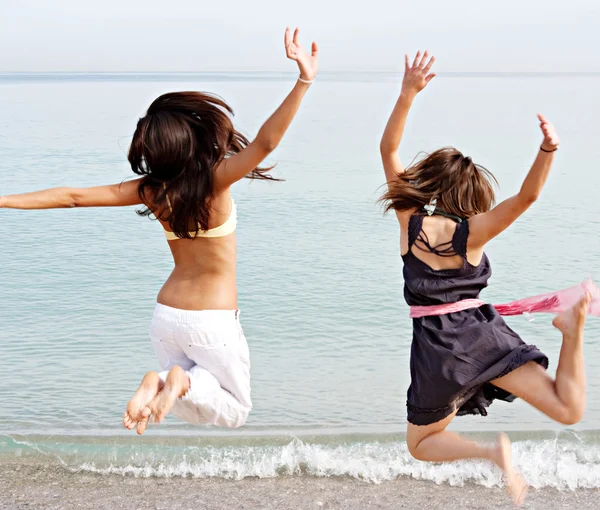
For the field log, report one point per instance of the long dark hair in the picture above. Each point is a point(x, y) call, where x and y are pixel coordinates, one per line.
point(460, 187)
point(176, 147)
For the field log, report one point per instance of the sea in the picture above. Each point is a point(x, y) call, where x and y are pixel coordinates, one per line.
point(319, 274)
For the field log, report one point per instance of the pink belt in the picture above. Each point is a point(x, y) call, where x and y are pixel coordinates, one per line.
point(553, 302)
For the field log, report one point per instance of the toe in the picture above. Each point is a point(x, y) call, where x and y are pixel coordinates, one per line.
point(142, 426)
point(130, 424)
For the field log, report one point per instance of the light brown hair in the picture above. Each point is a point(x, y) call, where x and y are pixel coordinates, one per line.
point(460, 187)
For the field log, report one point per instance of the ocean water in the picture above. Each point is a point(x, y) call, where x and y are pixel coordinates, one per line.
point(319, 275)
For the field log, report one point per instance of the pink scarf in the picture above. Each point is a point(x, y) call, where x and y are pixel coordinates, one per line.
point(552, 302)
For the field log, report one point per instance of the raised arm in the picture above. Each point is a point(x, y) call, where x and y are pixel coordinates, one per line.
point(416, 78)
point(486, 226)
point(122, 194)
point(270, 134)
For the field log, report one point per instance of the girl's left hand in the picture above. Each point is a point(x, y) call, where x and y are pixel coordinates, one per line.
point(308, 64)
point(551, 140)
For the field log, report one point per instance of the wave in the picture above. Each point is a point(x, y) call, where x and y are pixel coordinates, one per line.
point(561, 463)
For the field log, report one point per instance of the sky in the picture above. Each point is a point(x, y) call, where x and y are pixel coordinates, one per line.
point(247, 35)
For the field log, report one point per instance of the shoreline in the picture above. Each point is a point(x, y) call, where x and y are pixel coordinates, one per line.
point(29, 483)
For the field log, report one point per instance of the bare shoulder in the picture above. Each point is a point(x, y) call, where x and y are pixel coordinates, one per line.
point(221, 207)
point(475, 245)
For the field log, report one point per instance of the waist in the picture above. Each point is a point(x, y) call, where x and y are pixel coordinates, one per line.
point(552, 302)
point(178, 315)
point(199, 292)
point(430, 310)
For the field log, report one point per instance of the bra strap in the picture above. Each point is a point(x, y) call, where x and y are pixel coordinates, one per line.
point(415, 225)
point(460, 239)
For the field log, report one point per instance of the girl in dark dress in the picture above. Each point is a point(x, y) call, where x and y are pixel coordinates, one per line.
point(464, 356)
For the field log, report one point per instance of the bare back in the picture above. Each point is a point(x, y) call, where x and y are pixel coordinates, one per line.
point(204, 277)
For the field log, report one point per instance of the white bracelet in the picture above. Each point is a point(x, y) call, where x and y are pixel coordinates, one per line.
point(302, 80)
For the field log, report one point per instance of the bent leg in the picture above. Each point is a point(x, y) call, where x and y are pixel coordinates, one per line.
point(196, 397)
point(433, 443)
point(562, 399)
point(206, 369)
point(220, 393)
point(169, 355)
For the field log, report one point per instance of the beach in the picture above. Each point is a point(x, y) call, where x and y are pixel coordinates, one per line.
point(47, 486)
point(221, 472)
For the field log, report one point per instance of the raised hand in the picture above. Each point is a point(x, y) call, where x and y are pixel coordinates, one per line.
point(308, 64)
point(551, 141)
point(417, 75)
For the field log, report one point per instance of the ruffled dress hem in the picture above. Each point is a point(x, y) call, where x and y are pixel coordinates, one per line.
point(479, 395)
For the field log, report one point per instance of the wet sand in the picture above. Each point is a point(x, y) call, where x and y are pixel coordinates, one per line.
point(28, 484)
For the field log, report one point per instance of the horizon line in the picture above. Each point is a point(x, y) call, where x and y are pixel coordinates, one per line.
point(282, 73)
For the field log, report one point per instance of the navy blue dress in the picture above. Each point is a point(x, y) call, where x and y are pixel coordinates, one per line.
point(455, 356)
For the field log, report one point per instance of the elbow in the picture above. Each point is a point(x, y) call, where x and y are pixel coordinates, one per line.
point(528, 198)
point(385, 148)
point(71, 198)
point(267, 143)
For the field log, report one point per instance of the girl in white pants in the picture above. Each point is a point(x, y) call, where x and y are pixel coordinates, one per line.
point(188, 154)
point(211, 347)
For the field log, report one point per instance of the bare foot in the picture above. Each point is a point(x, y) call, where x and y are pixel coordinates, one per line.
point(515, 484)
point(176, 385)
point(572, 321)
point(148, 389)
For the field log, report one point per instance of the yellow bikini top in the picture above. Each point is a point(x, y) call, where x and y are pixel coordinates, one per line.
point(221, 231)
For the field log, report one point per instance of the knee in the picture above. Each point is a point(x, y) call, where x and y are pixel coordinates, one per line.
point(239, 420)
point(570, 416)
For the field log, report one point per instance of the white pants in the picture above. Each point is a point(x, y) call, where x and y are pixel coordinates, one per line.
point(211, 347)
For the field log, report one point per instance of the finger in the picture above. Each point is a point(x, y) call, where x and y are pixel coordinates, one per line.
point(548, 128)
point(429, 64)
point(542, 118)
point(287, 38)
point(429, 77)
point(406, 62)
point(315, 49)
point(416, 60)
point(424, 58)
point(296, 32)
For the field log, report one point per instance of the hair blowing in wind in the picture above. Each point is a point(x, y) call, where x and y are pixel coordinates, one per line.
point(460, 186)
point(177, 146)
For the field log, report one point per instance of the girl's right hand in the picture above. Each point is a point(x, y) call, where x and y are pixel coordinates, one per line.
point(551, 141)
point(417, 75)
point(308, 64)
